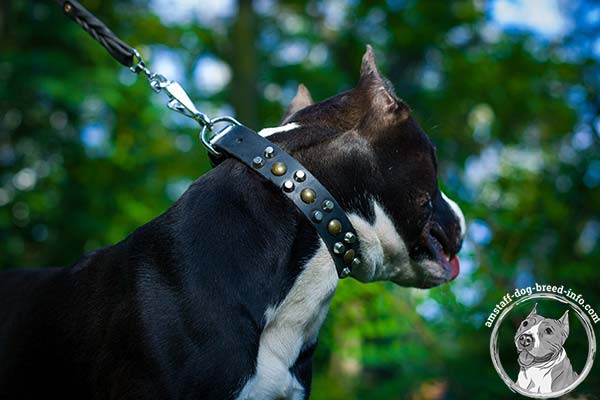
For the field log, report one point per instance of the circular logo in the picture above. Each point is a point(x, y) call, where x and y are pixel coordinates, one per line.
point(537, 345)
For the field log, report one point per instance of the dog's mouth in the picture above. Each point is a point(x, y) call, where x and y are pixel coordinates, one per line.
point(435, 246)
point(439, 245)
point(527, 359)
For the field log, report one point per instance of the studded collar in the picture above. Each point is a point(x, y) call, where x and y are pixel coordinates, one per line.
point(311, 198)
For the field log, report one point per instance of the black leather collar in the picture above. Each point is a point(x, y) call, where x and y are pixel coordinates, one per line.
point(310, 197)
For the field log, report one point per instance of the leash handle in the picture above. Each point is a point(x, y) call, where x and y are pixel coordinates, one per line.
point(121, 51)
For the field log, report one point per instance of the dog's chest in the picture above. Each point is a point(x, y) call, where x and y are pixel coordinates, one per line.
point(537, 380)
point(290, 326)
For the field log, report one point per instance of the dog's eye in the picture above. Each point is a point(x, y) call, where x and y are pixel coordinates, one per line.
point(549, 331)
point(525, 323)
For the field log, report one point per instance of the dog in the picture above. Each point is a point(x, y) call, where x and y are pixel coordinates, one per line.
point(223, 295)
point(544, 365)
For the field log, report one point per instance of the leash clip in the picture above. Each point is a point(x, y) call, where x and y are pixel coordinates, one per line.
point(180, 102)
point(178, 98)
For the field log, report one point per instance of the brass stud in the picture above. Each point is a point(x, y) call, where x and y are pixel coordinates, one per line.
point(317, 216)
point(269, 152)
point(258, 162)
point(279, 169)
point(308, 196)
point(299, 176)
point(355, 263)
point(349, 237)
point(288, 186)
point(338, 248)
point(327, 205)
point(345, 272)
point(349, 256)
point(68, 7)
point(334, 226)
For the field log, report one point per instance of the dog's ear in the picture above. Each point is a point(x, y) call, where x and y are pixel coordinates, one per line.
point(301, 100)
point(382, 108)
point(564, 321)
point(533, 312)
point(379, 88)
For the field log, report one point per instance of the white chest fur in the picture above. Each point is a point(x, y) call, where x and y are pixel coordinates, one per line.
point(538, 379)
point(293, 323)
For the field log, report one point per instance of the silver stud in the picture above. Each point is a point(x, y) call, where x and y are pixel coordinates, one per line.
point(317, 216)
point(269, 152)
point(258, 162)
point(339, 248)
point(345, 272)
point(355, 263)
point(288, 186)
point(349, 237)
point(299, 176)
point(327, 205)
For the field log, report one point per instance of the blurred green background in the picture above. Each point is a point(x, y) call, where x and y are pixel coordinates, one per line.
point(508, 90)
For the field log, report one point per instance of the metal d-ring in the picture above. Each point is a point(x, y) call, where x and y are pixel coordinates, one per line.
point(207, 136)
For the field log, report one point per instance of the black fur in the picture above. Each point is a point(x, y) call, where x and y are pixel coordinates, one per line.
point(176, 309)
point(173, 311)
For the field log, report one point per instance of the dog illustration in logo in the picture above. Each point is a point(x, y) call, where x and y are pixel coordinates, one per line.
point(545, 367)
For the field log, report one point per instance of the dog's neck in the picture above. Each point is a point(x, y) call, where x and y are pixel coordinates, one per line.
point(273, 264)
point(537, 377)
point(281, 271)
point(262, 242)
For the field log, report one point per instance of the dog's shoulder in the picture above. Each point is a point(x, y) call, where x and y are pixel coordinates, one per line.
point(563, 375)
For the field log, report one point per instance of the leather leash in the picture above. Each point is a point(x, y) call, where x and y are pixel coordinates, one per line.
point(259, 154)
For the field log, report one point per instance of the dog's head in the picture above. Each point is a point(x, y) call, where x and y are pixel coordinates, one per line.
point(367, 149)
point(538, 339)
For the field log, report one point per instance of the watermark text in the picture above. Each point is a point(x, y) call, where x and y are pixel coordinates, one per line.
point(508, 298)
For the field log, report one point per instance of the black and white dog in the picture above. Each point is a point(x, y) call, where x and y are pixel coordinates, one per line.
point(222, 296)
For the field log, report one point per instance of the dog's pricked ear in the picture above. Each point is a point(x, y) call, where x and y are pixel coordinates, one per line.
point(533, 312)
point(564, 320)
point(302, 100)
point(368, 69)
point(383, 101)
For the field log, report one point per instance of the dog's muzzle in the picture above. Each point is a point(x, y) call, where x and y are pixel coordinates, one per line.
point(526, 341)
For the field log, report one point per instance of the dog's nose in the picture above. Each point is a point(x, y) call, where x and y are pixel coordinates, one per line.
point(526, 340)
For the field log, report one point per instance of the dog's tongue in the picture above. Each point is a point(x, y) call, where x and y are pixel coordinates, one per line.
point(450, 264)
point(525, 358)
point(454, 267)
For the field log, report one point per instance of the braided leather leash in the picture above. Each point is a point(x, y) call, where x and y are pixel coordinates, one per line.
point(311, 198)
point(121, 51)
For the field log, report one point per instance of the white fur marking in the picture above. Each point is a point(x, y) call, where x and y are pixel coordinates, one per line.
point(295, 322)
point(290, 325)
point(270, 131)
point(533, 331)
point(458, 212)
point(538, 379)
point(386, 257)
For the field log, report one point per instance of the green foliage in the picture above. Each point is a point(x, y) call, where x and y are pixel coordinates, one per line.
point(506, 110)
